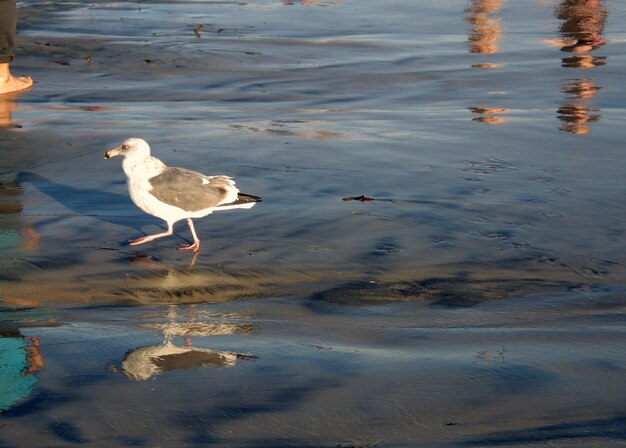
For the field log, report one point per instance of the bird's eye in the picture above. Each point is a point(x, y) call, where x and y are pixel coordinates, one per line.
point(124, 146)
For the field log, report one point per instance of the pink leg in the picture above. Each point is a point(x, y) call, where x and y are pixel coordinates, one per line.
point(148, 238)
point(196, 242)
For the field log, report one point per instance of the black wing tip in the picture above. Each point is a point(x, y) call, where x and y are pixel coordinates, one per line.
point(244, 199)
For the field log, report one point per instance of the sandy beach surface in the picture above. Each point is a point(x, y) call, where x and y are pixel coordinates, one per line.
point(438, 259)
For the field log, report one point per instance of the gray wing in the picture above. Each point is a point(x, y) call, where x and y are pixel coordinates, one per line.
point(191, 191)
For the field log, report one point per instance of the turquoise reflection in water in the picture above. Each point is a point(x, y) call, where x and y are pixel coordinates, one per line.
point(20, 357)
point(15, 380)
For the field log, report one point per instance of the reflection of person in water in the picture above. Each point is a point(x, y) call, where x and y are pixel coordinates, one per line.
point(583, 24)
point(20, 358)
point(12, 232)
point(8, 22)
point(483, 38)
point(576, 113)
point(7, 107)
point(486, 30)
point(582, 31)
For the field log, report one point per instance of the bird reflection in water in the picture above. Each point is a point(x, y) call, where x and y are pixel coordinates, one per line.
point(142, 363)
point(582, 32)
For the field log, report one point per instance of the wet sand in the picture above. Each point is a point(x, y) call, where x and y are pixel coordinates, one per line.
point(476, 300)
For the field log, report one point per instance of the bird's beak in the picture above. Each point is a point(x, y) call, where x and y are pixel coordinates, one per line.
point(117, 151)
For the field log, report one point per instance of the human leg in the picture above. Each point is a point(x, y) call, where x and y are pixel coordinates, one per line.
point(8, 22)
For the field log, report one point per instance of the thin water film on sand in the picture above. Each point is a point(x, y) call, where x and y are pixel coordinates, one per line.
point(437, 261)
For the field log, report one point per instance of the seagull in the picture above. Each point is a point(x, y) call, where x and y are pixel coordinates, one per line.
point(173, 193)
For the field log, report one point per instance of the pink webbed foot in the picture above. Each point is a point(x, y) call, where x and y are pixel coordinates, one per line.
point(191, 247)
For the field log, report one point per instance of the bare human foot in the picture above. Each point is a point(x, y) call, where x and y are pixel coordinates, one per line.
point(10, 83)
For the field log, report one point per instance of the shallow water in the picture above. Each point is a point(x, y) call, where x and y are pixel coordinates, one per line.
point(477, 300)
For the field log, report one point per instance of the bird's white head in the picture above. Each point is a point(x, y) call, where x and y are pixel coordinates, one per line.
point(132, 147)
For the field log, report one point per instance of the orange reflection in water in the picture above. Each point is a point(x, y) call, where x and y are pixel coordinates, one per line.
point(582, 32)
point(8, 105)
point(483, 38)
point(585, 61)
point(486, 29)
point(576, 113)
point(487, 114)
point(582, 27)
